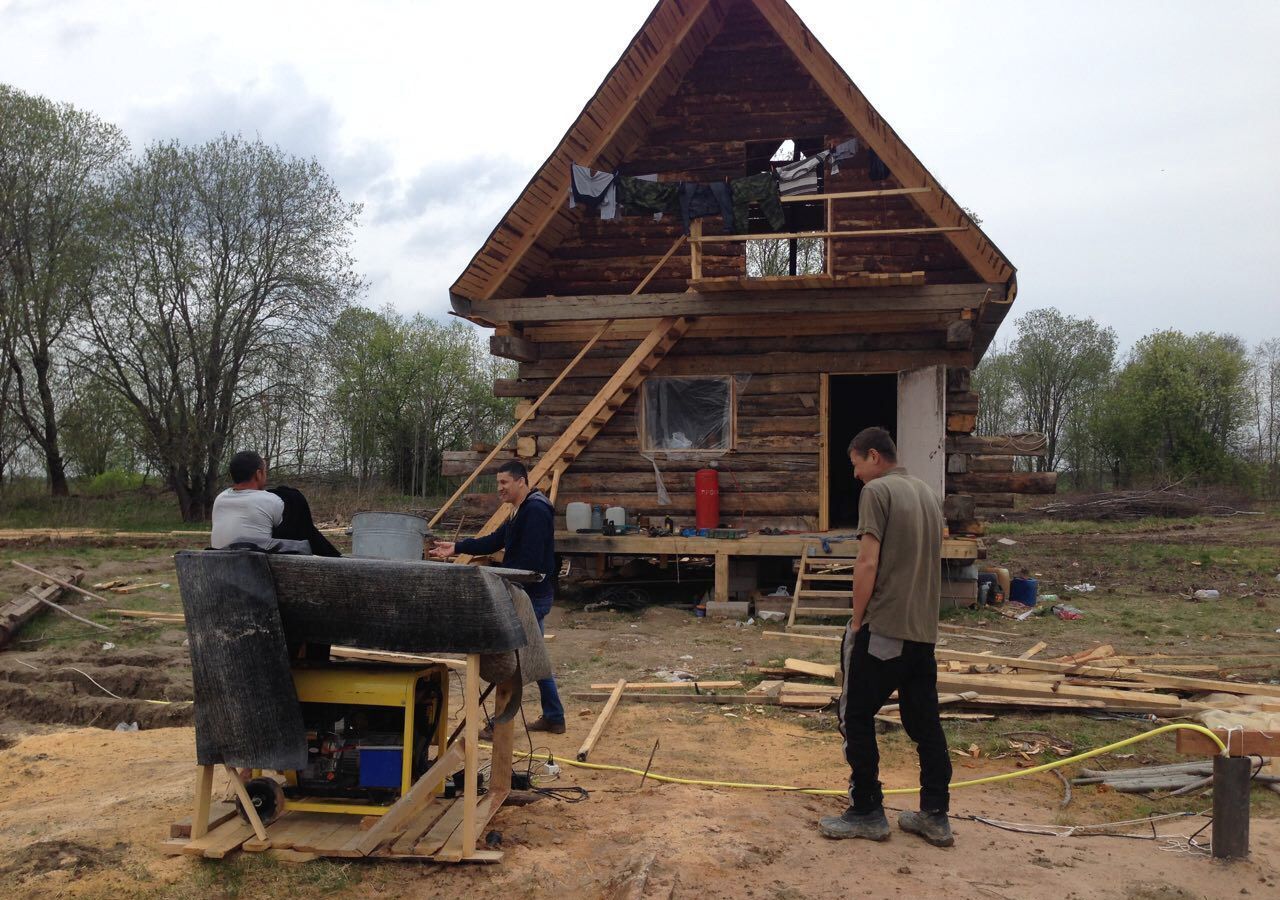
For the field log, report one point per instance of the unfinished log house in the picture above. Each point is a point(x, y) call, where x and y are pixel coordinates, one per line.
point(890, 294)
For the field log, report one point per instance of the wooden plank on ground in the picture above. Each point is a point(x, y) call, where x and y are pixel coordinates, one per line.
point(1002, 686)
point(662, 685)
point(817, 670)
point(599, 696)
point(1033, 650)
point(420, 825)
point(605, 714)
point(1035, 665)
point(217, 814)
point(222, 840)
point(1239, 743)
point(830, 639)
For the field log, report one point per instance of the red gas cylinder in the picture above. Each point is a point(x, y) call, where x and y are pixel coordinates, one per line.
point(707, 487)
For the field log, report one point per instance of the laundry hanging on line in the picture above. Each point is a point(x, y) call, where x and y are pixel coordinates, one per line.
point(842, 151)
point(614, 194)
point(761, 189)
point(596, 190)
point(700, 200)
point(802, 176)
point(644, 195)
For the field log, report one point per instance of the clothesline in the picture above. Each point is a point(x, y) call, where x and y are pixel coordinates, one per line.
point(730, 198)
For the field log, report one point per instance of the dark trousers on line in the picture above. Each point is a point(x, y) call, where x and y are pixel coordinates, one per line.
point(868, 684)
point(552, 708)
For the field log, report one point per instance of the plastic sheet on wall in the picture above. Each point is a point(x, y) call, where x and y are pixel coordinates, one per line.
point(687, 418)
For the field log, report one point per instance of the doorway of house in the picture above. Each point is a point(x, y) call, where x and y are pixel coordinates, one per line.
point(855, 402)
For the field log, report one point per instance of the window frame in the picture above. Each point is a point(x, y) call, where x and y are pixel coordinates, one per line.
point(645, 439)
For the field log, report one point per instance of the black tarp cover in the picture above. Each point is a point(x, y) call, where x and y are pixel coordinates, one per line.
point(243, 608)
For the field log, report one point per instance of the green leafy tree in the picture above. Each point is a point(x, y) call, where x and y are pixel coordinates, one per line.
point(1057, 361)
point(55, 162)
point(408, 389)
point(98, 427)
point(993, 381)
point(227, 255)
point(1185, 403)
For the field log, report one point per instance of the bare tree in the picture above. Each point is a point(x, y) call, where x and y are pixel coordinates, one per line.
point(54, 163)
point(226, 254)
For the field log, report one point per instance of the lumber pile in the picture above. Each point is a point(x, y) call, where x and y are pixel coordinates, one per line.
point(1097, 680)
point(1178, 779)
point(1164, 502)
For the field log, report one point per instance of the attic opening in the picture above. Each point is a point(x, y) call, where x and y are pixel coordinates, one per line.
point(785, 257)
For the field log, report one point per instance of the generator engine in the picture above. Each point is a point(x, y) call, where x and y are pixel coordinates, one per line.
point(356, 751)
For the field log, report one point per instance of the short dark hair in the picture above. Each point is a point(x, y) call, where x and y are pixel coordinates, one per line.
point(515, 469)
point(243, 466)
point(877, 439)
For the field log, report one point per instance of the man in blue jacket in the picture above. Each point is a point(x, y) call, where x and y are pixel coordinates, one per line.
point(528, 541)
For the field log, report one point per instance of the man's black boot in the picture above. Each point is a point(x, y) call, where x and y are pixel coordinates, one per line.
point(872, 826)
point(934, 827)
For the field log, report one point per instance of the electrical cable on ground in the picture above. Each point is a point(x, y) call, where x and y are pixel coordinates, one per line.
point(830, 792)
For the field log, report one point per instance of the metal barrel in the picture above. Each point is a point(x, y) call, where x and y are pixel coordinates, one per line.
point(385, 535)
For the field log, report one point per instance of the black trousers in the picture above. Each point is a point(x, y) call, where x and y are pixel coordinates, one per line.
point(868, 684)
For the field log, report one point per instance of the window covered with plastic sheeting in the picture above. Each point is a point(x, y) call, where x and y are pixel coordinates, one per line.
point(687, 418)
point(687, 415)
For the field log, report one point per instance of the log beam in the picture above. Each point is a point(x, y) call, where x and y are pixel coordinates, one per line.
point(943, 297)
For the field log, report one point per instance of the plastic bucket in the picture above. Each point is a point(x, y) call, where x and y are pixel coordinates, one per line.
point(380, 535)
point(1023, 590)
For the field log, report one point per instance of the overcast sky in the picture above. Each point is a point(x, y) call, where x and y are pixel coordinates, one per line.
point(1125, 156)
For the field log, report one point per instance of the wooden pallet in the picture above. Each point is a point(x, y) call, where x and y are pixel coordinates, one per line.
point(824, 591)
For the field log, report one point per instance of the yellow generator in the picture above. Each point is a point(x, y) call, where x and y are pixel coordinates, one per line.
point(371, 732)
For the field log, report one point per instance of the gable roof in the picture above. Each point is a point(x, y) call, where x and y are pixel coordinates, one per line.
point(615, 120)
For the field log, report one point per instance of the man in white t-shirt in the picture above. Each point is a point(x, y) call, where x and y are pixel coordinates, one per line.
point(244, 511)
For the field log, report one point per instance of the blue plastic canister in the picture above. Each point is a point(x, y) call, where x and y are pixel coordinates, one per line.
point(1023, 590)
point(380, 767)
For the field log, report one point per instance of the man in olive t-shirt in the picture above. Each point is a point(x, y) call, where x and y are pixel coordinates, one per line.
point(890, 643)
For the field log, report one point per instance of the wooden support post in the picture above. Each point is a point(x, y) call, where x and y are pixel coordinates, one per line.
point(504, 735)
point(250, 811)
point(722, 578)
point(695, 249)
point(204, 795)
point(471, 759)
point(1231, 783)
point(605, 714)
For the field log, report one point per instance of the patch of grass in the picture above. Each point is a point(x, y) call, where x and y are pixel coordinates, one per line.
point(27, 504)
point(259, 875)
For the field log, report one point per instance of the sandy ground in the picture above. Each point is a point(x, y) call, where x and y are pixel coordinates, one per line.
point(83, 810)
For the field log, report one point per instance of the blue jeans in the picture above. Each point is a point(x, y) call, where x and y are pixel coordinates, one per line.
point(552, 708)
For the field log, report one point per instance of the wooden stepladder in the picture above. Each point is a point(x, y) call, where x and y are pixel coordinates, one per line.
point(597, 413)
point(824, 589)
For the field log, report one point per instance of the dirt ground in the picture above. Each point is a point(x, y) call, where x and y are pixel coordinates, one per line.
point(83, 807)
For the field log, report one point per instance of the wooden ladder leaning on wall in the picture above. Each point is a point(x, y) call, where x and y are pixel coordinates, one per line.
point(824, 590)
point(594, 416)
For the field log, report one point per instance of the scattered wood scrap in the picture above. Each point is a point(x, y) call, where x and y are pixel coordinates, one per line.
point(1177, 779)
point(24, 607)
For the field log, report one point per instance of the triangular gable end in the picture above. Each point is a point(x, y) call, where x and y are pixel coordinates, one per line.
point(616, 120)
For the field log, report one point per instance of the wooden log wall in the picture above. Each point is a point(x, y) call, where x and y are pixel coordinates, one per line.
point(980, 479)
point(745, 90)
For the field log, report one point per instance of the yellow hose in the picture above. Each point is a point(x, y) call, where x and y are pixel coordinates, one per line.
point(826, 792)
